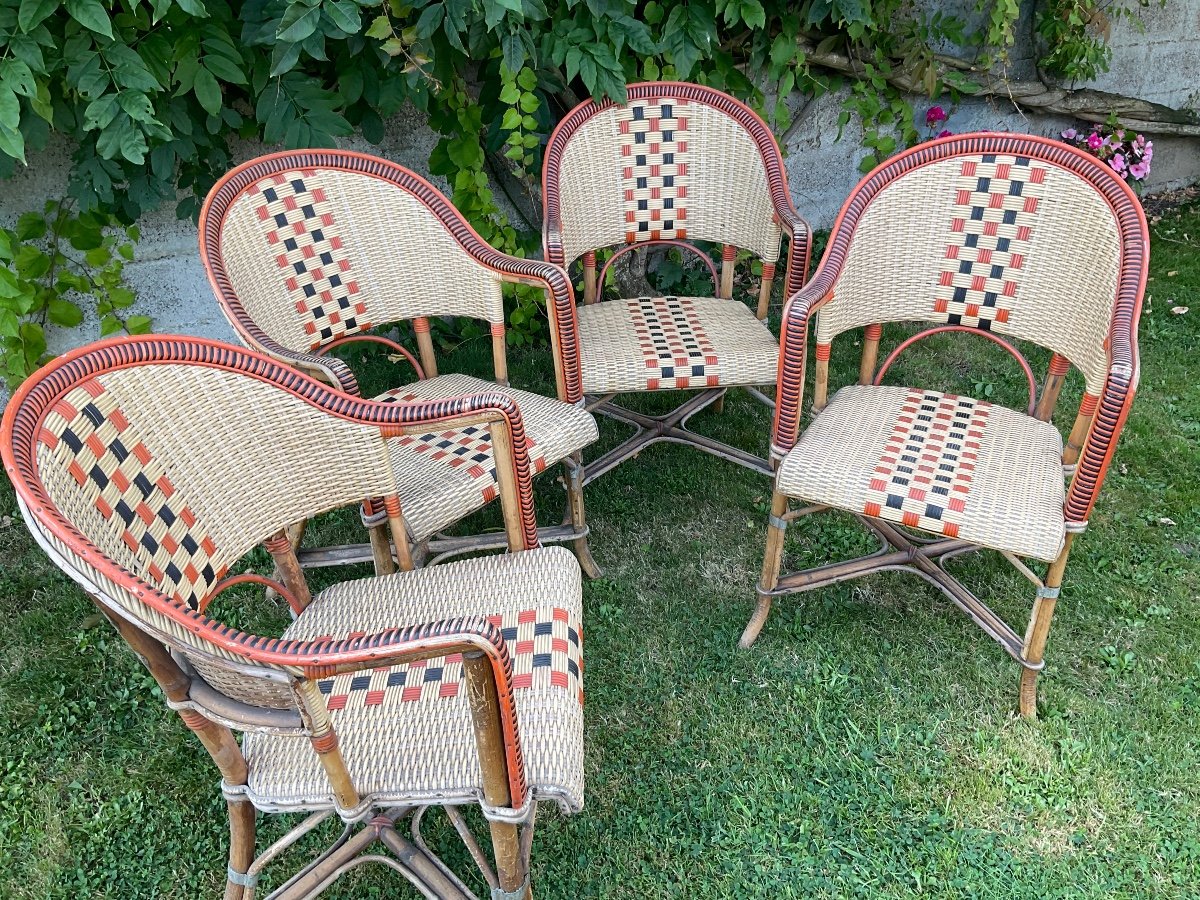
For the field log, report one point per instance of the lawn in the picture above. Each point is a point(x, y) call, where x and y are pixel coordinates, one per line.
point(866, 746)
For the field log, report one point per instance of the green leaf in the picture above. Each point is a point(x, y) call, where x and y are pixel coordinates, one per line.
point(345, 15)
point(33, 12)
point(17, 76)
point(91, 15)
point(10, 325)
point(64, 312)
point(527, 79)
point(511, 120)
point(224, 68)
point(121, 298)
point(109, 324)
point(138, 324)
point(298, 22)
point(31, 226)
point(753, 14)
point(510, 94)
point(9, 286)
point(31, 263)
point(194, 8)
point(137, 105)
point(207, 91)
point(100, 112)
point(381, 27)
point(10, 108)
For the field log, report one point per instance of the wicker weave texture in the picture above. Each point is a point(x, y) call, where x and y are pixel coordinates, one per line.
point(448, 474)
point(405, 731)
point(951, 465)
point(696, 157)
point(663, 343)
point(364, 252)
point(1023, 247)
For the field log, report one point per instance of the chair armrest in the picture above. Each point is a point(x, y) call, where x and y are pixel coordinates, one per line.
point(793, 350)
point(1101, 441)
point(560, 306)
point(799, 233)
point(326, 369)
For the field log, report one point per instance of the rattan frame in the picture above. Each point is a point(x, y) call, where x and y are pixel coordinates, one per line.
point(1088, 450)
point(673, 426)
point(332, 371)
point(166, 633)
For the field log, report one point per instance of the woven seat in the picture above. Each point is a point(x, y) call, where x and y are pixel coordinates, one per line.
point(668, 343)
point(310, 250)
point(988, 238)
point(150, 469)
point(446, 475)
point(684, 167)
point(946, 464)
point(406, 730)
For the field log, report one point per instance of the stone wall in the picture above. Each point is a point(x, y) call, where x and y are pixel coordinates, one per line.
point(1160, 64)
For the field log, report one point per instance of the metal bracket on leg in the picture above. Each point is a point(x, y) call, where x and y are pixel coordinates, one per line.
point(242, 879)
point(518, 894)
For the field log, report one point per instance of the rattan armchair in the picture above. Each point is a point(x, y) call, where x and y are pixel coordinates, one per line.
point(147, 467)
point(312, 249)
point(676, 164)
point(991, 236)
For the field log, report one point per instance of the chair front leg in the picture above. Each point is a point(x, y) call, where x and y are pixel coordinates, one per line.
point(772, 560)
point(1039, 629)
point(238, 884)
point(576, 514)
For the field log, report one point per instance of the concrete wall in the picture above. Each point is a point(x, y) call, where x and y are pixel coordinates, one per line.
point(1161, 64)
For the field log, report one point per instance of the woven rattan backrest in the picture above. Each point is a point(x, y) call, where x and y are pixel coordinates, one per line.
point(1015, 235)
point(148, 467)
point(678, 161)
point(316, 245)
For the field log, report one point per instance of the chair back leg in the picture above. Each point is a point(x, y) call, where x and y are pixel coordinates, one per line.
point(1039, 630)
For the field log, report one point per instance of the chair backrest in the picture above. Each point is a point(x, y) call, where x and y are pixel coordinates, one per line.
point(1021, 236)
point(147, 467)
point(678, 161)
point(315, 245)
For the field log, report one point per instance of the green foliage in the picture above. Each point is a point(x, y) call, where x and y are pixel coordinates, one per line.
point(50, 263)
point(154, 92)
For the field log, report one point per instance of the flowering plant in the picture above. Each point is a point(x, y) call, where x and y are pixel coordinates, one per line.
point(1127, 153)
point(934, 117)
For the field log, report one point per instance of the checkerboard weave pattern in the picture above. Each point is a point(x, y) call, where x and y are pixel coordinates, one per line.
point(654, 168)
point(672, 341)
point(924, 475)
point(91, 438)
point(546, 649)
point(300, 227)
point(996, 206)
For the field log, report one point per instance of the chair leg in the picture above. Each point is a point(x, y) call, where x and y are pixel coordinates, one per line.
point(1039, 630)
point(241, 849)
point(573, 481)
point(718, 405)
point(776, 531)
point(381, 549)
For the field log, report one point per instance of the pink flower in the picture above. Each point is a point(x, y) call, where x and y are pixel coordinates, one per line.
point(1070, 134)
point(1148, 153)
point(1094, 141)
point(936, 114)
point(1118, 162)
point(1139, 171)
point(945, 134)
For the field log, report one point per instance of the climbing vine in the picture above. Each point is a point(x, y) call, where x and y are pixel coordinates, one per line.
point(153, 92)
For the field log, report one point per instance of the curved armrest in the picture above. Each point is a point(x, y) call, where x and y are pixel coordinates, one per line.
point(327, 369)
point(793, 349)
point(799, 233)
point(1101, 442)
point(560, 305)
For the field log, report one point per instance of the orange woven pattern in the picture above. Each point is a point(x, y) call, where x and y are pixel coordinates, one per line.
point(89, 436)
point(299, 226)
point(924, 475)
point(654, 170)
point(996, 203)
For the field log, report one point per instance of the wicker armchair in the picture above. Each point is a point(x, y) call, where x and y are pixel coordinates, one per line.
point(677, 163)
point(989, 235)
point(312, 249)
point(147, 467)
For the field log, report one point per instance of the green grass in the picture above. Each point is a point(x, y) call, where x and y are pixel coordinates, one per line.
point(867, 745)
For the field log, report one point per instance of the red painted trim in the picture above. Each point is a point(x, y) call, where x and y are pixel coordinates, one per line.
point(36, 397)
point(561, 297)
point(798, 230)
point(1122, 340)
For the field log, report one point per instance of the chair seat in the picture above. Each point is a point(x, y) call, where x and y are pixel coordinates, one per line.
point(942, 463)
point(446, 475)
point(667, 343)
point(405, 731)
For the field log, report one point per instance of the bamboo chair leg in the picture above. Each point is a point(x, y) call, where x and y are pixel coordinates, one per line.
point(241, 850)
point(381, 549)
point(1039, 630)
point(573, 481)
point(776, 532)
